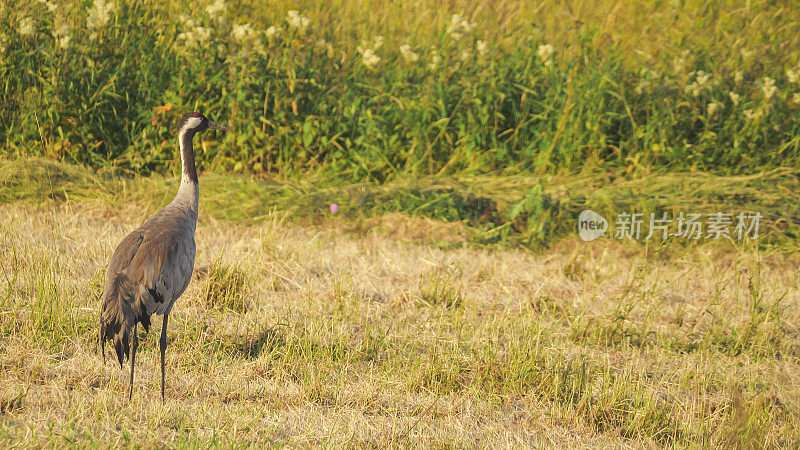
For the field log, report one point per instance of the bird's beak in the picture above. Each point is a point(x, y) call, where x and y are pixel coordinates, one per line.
point(215, 126)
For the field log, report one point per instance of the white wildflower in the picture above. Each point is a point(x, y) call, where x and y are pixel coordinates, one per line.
point(216, 8)
point(700, 82)
point(298, 21)
point(248, 39)
point(63, 42)
point(52, 7)
point(216, 11)
point(769, 89)
point(370, 59)
point(466, 54)
point(368, 55)
point(243, 33)
point(482, 47)
point(714, 107)
point(99, 14)
point(435, 59)
point(702, 78)
point(408, 55)
point(793, 75)
point(746, 54)
point(751, 115)
point(202, 34)
point(186, 21)
point(734, 97)
point(545, 53)
point(376, 43)
point(738, 76)
point(196, 37)
point(61, 34)
point(273, 32)
point(459, 27)
point(322, 44)
point(796, 98)
point(27, 27)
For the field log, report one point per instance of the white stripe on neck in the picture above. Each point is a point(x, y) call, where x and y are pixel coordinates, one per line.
point(185, 144)
point(189, 191)
point(191, 122)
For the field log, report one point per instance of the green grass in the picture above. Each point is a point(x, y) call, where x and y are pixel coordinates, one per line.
point(299, 107)
point(532, 212)
point(223, 287)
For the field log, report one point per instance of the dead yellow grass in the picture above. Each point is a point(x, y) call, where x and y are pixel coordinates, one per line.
point(414, 228)
point(341, 340)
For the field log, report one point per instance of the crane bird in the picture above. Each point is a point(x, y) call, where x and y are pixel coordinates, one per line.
point(152, 266)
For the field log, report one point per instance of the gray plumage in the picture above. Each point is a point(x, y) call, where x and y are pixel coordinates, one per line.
point(152, 266)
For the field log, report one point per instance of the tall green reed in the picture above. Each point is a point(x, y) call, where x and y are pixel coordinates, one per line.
point(468, 104)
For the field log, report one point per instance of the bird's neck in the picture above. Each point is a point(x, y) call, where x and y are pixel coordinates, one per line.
point(189, 192)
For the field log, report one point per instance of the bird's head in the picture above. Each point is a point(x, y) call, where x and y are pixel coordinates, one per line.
point(196, 122)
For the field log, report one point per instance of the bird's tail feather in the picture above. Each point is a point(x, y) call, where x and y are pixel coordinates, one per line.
point(120, 311)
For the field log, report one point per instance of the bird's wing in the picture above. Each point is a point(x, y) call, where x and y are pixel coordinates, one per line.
point(117, 316)
point(158, 258)
point(125, 252)
point(161, 267)
point(150, 268)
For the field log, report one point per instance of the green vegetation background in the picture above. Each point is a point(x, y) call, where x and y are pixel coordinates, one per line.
point(484, 112)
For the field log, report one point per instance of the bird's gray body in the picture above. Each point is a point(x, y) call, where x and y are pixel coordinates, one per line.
point(159, 255)
point(152, 266)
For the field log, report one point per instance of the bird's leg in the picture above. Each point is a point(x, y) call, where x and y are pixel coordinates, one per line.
point(134, 345)
point(163, 345)
point(102, 348)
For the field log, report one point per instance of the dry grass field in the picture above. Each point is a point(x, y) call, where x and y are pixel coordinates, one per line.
point(313, 335)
